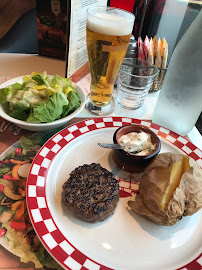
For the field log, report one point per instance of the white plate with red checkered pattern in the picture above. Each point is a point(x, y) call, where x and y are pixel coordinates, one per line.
point(123, 241)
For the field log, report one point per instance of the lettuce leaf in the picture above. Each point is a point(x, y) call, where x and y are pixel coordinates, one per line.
point(51, 110)
point(18, 114)
point(9, 92)
point(18, 245)
point(40, 79)
point(74, 99)
point(32, 119)
point(22, 105)
point(28, 142)
point(17, 86)
point(4, 92)
point(60, 82)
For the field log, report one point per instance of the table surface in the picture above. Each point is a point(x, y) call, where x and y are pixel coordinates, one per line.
point(14, 65)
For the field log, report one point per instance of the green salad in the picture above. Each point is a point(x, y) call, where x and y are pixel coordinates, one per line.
point(40, 98)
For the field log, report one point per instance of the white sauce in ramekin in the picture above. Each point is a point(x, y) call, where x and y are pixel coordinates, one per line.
point(138, 143)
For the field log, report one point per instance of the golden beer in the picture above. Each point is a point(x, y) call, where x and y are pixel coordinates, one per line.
point(108, 37)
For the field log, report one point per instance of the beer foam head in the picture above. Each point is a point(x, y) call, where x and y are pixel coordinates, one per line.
point(110, 21)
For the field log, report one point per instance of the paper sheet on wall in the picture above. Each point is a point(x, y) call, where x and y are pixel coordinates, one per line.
point(77, 53)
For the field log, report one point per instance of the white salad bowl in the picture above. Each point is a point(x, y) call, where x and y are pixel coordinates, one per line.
point(41, 126)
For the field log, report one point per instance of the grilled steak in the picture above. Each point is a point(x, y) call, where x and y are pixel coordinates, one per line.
point(91, 193)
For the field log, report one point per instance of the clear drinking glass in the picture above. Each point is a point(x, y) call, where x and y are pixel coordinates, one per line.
point(134, 80)
point(108, 35)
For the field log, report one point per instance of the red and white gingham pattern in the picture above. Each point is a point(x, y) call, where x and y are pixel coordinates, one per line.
point(52, 238)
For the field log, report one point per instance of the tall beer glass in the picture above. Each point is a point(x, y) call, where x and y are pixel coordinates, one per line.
point(108, 35)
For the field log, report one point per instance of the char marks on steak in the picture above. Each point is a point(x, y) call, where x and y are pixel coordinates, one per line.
point(91, 193)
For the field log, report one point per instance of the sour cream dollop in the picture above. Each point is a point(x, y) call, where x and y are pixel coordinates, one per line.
point(138, 143)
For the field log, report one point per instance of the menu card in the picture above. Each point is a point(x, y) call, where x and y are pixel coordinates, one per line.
point(77, 59)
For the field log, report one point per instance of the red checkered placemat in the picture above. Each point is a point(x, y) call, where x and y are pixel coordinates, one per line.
point(52, 238)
